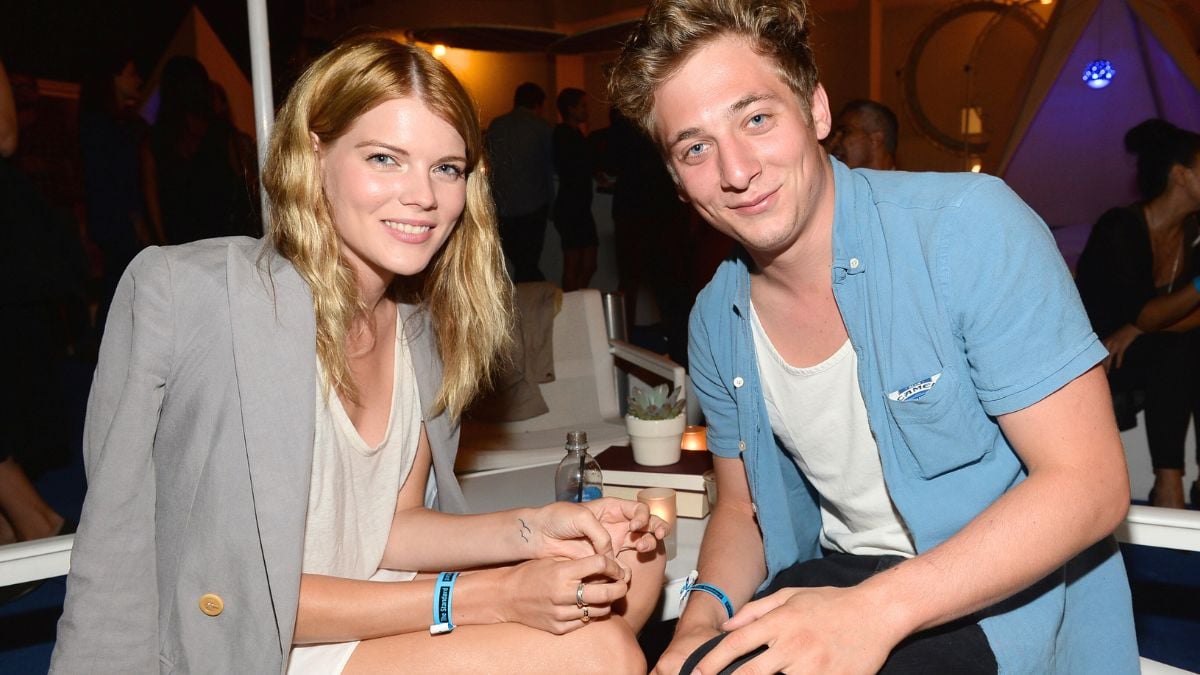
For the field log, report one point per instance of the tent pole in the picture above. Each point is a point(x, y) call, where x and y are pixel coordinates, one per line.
point(260, 76)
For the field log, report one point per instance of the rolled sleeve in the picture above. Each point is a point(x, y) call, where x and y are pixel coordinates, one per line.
point(1023, 327)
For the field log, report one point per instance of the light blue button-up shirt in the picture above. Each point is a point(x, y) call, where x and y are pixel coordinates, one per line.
point(947, 275)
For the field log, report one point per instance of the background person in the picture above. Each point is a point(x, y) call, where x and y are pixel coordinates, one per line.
point(520, 150)
point(1137, 276)
point(199, 187)
point(30, 408)
point(864, 136)
point(574, 165)
point(111, 137)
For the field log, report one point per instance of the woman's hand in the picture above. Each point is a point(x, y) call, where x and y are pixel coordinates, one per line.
point(1117, 343)
point(608, 526)
point(544, 594)
point(629, 524)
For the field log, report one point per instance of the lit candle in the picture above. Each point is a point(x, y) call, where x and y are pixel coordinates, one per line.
point(661, 502)
point(695, 437)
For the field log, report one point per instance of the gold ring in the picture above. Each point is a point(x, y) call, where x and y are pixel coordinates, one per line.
point(585, 618)
point(579, 596)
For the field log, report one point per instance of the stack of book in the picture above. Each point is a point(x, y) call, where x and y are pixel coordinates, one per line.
point(623, 478)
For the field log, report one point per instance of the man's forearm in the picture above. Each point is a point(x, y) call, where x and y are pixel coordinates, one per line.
point(1018, 540)
point(1077, 493)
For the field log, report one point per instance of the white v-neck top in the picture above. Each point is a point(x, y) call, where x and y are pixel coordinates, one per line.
point(353, 490)
point(818, 414)
point(352, 496)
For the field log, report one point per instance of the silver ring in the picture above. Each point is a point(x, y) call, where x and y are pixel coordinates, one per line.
point(585, 618)
point(579, 597)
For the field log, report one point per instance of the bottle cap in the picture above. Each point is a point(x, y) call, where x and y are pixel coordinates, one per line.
point(577, 440)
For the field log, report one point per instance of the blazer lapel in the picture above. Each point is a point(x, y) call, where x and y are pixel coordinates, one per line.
point(274, 341)
point(427, 367)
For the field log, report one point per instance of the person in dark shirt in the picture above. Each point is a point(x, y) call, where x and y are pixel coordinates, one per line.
point(519, 149)
point(201, 191)
point(573, 204)
point(1138, 277)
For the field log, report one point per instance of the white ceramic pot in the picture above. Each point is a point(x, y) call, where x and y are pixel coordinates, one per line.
point(655, 442)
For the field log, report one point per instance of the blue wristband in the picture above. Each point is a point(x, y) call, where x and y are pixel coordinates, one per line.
point(1196, 283)
point(690, 585)
point(443, 592)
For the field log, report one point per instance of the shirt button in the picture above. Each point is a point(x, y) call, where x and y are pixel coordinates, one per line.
point(741, 446)
point(211, 604)
point(854, 263)
point(738, 382)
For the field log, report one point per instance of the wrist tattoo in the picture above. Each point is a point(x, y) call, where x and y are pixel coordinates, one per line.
point(523, 529)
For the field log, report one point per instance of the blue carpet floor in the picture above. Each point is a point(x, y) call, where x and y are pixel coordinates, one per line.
point(1166, 584)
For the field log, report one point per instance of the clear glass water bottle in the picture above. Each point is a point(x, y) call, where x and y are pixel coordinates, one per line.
point(578, 477)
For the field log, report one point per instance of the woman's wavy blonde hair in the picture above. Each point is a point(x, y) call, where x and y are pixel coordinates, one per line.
point(464, 288)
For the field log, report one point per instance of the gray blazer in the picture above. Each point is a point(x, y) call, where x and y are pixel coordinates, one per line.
point(198, 448)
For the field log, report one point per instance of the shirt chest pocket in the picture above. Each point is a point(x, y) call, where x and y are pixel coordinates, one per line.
point(934, 421)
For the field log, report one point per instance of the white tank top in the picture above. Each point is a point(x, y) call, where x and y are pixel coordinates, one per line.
point(819, 415)
point(352, 497)
point(353, 490)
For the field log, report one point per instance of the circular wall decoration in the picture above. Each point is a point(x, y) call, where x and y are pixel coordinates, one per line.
point(954, 142)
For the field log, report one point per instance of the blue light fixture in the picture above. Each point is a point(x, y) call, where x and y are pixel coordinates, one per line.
point(1099, 74)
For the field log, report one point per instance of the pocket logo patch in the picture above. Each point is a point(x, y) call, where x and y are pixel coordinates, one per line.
point(915, 390)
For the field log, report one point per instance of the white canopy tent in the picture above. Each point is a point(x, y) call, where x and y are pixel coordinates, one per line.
point(1066, 157)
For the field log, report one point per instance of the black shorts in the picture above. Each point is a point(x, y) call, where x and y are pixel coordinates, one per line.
point(958, 647)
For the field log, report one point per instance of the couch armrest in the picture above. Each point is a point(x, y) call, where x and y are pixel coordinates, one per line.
point(648, 360)
point(1164, 528)
point(35, 559)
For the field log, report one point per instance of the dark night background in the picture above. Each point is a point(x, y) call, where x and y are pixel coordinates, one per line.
point(53, 39)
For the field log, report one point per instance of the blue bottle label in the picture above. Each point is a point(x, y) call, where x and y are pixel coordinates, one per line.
point(571, 494)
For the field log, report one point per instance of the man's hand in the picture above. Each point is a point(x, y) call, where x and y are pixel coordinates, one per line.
point(808, 630)
point(682, 645)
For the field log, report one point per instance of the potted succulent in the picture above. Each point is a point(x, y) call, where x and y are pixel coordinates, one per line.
point(655, 421)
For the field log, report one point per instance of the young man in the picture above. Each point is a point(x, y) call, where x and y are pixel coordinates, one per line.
point(864, 136)
point(915, 451)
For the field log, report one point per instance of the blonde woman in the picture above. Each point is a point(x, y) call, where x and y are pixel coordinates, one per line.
point(271, 432)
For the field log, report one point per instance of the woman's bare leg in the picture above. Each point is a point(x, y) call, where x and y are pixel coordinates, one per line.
point(606, 645)
point(603, 646)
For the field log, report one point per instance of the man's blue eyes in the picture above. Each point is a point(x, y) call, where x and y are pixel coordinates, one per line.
point(758, 119)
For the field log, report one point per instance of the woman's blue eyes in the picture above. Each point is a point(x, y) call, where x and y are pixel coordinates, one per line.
point(450, 170)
